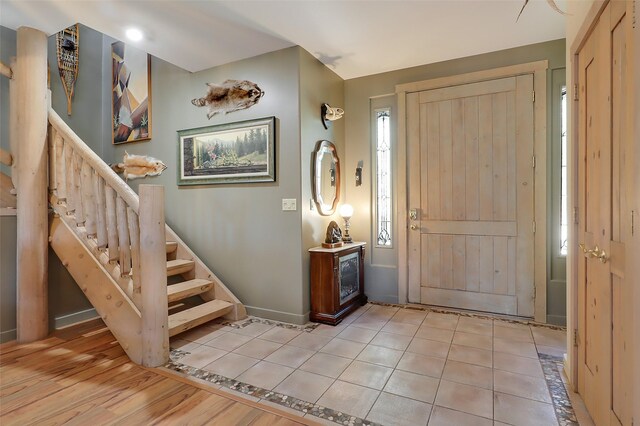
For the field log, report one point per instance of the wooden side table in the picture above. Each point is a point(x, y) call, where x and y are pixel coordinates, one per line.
point(337, 282)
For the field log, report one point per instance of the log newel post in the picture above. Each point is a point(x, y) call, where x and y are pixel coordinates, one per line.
point(30, 105)
point(153, 276)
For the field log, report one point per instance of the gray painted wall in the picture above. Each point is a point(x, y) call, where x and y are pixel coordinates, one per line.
point(67, 303)
point(7, 278)
point(362, 93)
point(7, 223)
point(238, 230)
point(318, 85)
point(7, 50)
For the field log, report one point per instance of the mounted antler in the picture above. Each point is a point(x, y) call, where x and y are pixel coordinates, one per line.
point(551, 3)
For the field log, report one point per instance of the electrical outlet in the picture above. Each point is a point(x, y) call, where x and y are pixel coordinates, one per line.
point(289, 204)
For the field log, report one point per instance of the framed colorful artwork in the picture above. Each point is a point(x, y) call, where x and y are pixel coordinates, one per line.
point(131, 94)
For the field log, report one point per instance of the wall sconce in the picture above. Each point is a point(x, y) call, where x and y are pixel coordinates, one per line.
point(346, 211)
point(359, 173)
point(329, 114)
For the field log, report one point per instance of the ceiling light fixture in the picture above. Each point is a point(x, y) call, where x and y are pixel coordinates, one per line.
point(134, 34)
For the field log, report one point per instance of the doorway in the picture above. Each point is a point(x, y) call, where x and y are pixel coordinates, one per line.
point(475, 203)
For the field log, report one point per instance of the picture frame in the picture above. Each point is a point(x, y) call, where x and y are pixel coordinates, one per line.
point(131, 94)
point(239, 152)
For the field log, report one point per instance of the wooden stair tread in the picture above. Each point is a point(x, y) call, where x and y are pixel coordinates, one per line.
point(189, 288)
point(193, 317)
point(179, 266)
point(171, 246)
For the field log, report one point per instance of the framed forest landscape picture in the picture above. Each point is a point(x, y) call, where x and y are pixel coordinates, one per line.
point(239, 152)
point(131, 94)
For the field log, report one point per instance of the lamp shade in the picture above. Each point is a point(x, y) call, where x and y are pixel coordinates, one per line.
point(346, 211)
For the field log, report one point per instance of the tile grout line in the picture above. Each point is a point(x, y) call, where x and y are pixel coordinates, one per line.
point(378, 332)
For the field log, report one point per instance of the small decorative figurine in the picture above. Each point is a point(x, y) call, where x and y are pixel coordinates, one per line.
point(333, 237)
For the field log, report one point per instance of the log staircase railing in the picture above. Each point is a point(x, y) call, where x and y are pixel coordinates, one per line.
point(127, 237)
point(105, 213)
point(143, 280)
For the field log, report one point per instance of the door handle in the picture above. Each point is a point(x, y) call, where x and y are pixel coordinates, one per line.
point(599, 254)
point(413, 227)
point(594, 253)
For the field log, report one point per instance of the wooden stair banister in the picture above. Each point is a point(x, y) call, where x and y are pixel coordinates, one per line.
point(104, 212)
point(6, 70)
point(155, 320)
point(126, 235)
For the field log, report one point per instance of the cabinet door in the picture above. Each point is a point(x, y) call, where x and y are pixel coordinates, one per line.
point(348, 277)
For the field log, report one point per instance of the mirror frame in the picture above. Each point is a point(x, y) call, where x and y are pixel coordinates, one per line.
point(316, 180)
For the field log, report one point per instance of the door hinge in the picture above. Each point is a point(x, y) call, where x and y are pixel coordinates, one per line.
point(534, 226)
point(633, 221)
point(575, 92)
point(575, 215)
point(533, 161)
point(533, 96)
point(576, 338)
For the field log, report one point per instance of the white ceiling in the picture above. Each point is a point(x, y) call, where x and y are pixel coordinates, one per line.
point(353, 37)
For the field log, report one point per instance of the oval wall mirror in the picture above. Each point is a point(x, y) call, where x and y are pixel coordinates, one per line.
point(325, 178)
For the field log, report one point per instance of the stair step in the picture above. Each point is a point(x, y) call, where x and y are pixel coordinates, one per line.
point(189, 288)
point(179, 266)
point(171, 246)
point(193, 317)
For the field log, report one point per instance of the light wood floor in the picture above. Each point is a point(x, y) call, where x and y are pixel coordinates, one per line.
point(82, 376)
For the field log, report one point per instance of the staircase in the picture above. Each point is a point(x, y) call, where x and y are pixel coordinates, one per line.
point(143, 280)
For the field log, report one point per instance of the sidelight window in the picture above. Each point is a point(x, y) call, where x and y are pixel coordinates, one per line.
point(383, 177)
point(564, 216)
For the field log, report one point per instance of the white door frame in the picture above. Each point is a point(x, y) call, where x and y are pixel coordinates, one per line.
point(539, 71)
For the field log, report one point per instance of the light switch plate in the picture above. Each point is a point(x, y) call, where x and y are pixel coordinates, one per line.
point(289, 204)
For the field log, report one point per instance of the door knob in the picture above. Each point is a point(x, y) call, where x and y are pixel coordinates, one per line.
point(594, 253)
point(413, 227)
point(601, 255)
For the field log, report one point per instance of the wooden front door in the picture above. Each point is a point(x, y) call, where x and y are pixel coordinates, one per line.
point(604, 318)
point(471, 196)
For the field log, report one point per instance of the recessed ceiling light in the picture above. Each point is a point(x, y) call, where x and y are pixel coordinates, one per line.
point(134, 34)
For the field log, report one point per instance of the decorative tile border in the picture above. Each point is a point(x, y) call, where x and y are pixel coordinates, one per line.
point(469, 314)
point(308, 327)
point(303, 407)
point(551, 366)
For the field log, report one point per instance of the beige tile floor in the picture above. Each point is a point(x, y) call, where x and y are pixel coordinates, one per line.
point(393, 366)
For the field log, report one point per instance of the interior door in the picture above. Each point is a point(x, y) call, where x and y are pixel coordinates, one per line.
point(603, 316)
point(471, 195)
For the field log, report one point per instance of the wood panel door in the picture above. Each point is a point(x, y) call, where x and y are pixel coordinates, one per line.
point(604, 317)
point(471, 196)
